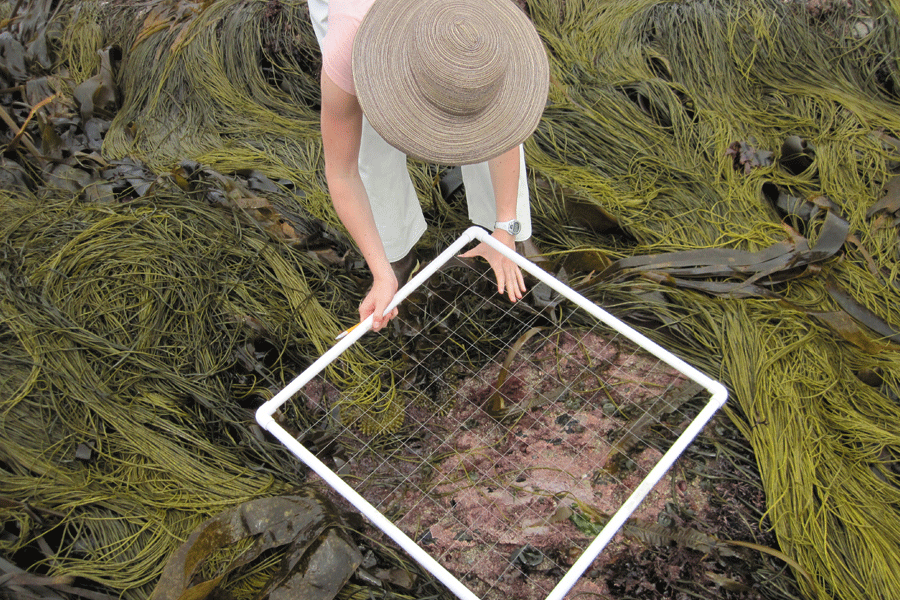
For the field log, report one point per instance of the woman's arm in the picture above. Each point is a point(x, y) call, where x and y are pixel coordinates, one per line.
point(341, 121)
point(505, 180)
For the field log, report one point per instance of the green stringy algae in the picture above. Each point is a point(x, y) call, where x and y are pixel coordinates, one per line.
point(672, 120)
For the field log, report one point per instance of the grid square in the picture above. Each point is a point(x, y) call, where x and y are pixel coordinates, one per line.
point(534, 433)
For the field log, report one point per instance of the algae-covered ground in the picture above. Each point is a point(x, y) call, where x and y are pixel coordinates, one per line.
point(720, 174)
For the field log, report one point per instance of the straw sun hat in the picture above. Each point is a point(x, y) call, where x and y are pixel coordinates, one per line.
point(450, 81)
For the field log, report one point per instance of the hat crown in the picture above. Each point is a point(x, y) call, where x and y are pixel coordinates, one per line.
point(457, 62)
point(453, 82)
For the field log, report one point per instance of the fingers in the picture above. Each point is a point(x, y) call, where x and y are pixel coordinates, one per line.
point(515, 282)
point(385, 318)
point(380, 319)
point(510, 280)
point(376, 302)
point(365, 309)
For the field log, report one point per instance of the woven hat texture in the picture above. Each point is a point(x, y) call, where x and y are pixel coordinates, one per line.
point(450, 81)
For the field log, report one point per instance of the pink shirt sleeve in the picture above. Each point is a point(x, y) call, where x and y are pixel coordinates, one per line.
point(344, 17)
point(337, 51)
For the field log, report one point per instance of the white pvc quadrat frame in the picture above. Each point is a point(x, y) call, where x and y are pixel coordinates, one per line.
point(718, 396)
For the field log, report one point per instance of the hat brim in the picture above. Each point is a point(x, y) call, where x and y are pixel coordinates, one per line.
point(397, 110)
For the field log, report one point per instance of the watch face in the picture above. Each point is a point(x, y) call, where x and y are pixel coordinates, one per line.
point(512, 227)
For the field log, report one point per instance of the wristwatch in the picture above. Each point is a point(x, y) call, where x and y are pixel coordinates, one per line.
point(511, 227)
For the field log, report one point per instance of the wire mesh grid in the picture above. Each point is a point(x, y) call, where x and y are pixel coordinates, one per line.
point(532, 431)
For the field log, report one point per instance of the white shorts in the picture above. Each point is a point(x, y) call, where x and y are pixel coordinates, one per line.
point(395, 205)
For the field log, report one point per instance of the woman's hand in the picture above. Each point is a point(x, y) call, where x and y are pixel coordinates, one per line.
point(376, 301)
point(509, 275)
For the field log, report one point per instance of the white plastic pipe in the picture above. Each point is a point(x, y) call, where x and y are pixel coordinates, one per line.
point(718, 397)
